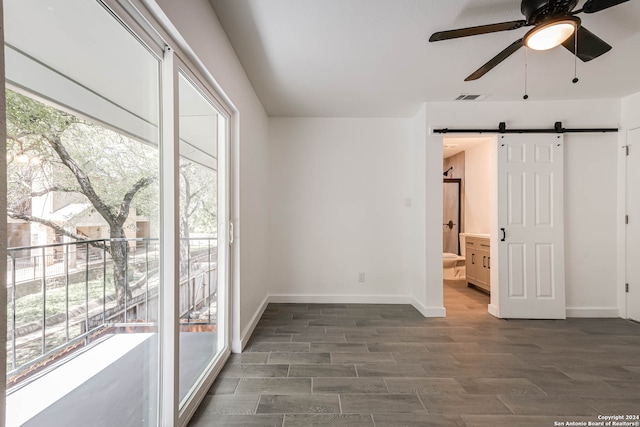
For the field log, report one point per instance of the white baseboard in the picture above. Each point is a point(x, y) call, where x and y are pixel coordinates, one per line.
point(493, 310)
point(237, 345)
point(339, 299)
point(428, 311)
point(594, 312)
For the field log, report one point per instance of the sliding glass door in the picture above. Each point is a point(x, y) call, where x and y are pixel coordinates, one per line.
point(87, 159)
point(203, 128)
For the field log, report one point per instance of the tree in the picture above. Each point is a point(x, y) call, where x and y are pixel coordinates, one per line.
point(66, 154)
point(197, 199)
point(197, 205)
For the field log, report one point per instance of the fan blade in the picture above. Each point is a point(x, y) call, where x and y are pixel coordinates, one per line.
point(512, 48)
point(474, 31)
point(590, 46)
point(592, 6)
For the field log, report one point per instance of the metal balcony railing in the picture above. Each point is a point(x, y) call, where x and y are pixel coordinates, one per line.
point(64, 296)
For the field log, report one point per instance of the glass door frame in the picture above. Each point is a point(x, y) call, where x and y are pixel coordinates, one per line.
point(224, 250)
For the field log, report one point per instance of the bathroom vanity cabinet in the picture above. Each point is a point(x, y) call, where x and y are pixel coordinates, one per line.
point(478, 262)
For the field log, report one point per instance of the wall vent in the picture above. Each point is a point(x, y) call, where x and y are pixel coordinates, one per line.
point(468, 97)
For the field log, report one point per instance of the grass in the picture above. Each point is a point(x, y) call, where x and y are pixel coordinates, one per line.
point(29, 307)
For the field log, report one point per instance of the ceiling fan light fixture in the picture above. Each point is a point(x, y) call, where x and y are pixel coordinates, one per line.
point(552, 33)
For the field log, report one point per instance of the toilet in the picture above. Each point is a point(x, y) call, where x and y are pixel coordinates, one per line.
point(453, 267)
point(450, 260)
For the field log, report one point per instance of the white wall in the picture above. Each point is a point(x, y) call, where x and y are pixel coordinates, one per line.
point(631, 111)
point(339, 188)
point(477, 178)
point(197, 23)
point(344, 199)
point(426, 299)
point(590, 186)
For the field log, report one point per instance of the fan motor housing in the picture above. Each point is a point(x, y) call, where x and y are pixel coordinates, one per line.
point(537, 10)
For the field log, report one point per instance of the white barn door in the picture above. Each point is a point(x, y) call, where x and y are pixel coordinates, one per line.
point(633, 227)
point(531, 226)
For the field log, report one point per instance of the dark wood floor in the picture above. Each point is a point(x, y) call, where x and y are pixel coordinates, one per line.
point(386, 365)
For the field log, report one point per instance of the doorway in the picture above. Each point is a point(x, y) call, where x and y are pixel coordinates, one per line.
point(513, 184)
point(466, 211)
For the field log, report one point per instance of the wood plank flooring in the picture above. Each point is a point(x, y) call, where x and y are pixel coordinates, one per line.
point(385, 365)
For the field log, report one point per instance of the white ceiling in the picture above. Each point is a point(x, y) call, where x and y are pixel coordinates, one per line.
point(372, 58)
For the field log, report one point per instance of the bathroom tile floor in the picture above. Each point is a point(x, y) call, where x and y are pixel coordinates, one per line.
point(385, 365)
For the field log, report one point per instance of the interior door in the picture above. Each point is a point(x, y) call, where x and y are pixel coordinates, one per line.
point(633, 227)
point(530, 221)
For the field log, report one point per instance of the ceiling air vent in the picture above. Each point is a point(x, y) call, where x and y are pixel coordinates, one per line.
point(467, 97)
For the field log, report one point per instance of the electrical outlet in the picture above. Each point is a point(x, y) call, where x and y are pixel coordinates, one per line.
point(361, 276)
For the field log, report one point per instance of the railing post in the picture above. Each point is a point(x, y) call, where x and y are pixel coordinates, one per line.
point(86, 293)
point(188, 280)
point(104, 282)
point(146, 292)
point(13, 312)
point(66, 299)
point(44, 304)
point(209, 281)
point(126, 284)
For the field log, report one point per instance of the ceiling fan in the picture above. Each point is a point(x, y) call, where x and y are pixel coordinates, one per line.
point(554, 23)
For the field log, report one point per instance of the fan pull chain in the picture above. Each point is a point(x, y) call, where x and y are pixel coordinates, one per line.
point(526, 60)
point(575, 58)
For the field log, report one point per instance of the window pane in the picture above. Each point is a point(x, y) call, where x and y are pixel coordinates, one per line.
point(82, 175)
point(198, 287)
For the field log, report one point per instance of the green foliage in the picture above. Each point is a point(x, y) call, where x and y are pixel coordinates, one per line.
point(198, 199)
point(112, 161)
point(33, 121)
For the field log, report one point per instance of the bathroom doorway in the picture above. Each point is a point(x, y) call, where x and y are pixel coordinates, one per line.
point(466, 211)
point(451, 214)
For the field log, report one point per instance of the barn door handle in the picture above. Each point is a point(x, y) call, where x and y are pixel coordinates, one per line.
point(504, 235)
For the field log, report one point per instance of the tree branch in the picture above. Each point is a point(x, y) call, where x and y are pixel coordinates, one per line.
point(126, 201)
point(52, 189)
point(83, 181)
point(56, 227)
point(192, 211)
